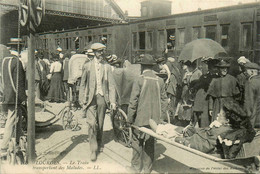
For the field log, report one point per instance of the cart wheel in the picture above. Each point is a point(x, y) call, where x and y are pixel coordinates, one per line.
point(69, 121)
point(122, 132)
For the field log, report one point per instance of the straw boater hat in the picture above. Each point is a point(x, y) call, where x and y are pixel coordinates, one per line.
point(250, 65)
point(112, 58)
point(59, 49)
point(15, 41)
point(97, 46)
point(172, 37)
point(90, 52)
point(147, 59)
point(223, 64)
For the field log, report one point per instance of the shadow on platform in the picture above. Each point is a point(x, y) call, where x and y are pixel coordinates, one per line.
point(46, 132)
point(76, 140)
point(168, 165)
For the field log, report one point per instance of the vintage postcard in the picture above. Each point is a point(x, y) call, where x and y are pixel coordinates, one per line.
point(129, 86)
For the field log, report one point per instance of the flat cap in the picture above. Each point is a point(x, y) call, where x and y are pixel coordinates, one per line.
point(147, 59)
point(97, 46)
point(251, 65)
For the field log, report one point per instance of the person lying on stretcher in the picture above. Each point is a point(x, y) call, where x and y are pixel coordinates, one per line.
point(206, 139)
point(202, 139)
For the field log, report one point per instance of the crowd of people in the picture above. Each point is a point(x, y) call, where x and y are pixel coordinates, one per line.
point(200, 96)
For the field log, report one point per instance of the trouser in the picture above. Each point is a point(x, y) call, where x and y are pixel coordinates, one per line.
point(10, 126)
point(37, 89)
point(95, 119)
point(143, 152)
point(66, 89)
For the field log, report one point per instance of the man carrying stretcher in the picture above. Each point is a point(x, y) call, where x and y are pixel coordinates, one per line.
point(148, 101)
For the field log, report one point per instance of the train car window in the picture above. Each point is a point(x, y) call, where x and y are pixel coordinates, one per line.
point(81, 42)
point(196, 33)
point(76, 41)
point(246, 35)
point(89, 39)
point(224, 35)
point(85, 41)
point(103, 39)
point(67, 44)
point(170, 40)
point(109, 41)
point(44, 43)
point(211, 32)
point(149, 40)
point(161, 41)
point(181, 38)
point(47, 46)
point(94, 38)
point(142, 40)
point(258, 31)
point(134, 37)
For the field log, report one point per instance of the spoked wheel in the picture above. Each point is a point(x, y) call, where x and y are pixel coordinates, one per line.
point(122, 132)
point(69, 121)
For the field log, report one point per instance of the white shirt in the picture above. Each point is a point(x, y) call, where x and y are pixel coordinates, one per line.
point(98, 77)
point(55, 67)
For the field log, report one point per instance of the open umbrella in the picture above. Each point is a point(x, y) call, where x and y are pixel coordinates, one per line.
point(201, 48)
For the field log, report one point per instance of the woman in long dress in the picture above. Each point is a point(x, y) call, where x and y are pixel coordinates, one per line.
point(56, 91)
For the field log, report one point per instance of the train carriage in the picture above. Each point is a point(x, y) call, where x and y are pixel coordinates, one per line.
point(236, 28)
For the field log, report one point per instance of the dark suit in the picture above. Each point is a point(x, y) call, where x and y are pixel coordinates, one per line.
point(9, 78)
point(252, 100)
point(148, 101)
point(94, 104)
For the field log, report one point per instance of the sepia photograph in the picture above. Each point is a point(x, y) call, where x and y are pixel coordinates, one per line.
point(129, 86)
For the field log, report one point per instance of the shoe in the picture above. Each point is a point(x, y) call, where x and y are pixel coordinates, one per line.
point(131, 169)
point(93, 156)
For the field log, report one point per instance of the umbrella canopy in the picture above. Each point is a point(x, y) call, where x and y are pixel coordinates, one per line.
point(201, 48)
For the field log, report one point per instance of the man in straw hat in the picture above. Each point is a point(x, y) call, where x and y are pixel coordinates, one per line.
point(222, 87)
point(252, 94)
point(96, 94)
point(148, 100)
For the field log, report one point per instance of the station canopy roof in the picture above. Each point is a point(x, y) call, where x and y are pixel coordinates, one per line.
point(67, 14)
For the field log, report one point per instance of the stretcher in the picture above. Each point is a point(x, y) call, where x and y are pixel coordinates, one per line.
point(248, 159)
